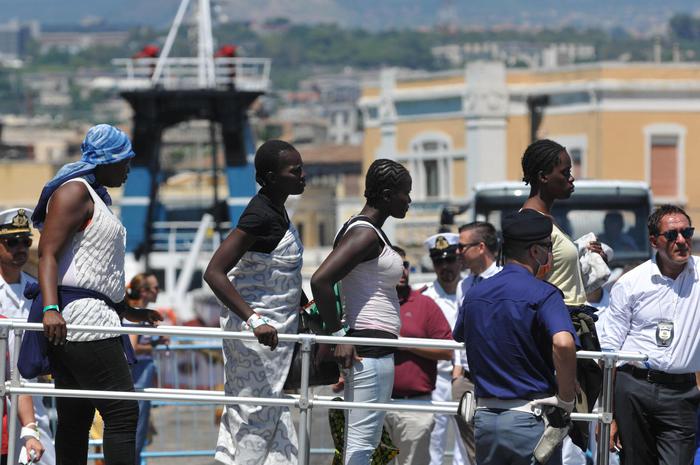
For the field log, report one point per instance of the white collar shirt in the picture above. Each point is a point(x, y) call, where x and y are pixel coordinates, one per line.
point(448, 304)
point(468, 281)
point(643, 298)
point(13, 304)
point(463, 287)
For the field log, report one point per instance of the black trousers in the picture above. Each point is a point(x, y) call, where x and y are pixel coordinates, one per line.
point(96, 365)
point(656, 422)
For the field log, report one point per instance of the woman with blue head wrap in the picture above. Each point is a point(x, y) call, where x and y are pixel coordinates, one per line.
point(104, 146)
point(81, 279)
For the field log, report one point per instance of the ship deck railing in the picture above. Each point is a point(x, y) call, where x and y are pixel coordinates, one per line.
point(245, 74)
point(304, 402)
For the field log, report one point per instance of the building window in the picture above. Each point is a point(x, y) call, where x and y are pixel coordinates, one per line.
point(576, 162)
point(432, 178)
point(577, 147)
point(663, 165)
point(322, 239)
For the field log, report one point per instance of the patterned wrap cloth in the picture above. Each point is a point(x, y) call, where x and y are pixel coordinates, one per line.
point(271, 285)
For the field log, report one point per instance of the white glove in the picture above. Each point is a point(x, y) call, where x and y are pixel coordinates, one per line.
point(556, 401)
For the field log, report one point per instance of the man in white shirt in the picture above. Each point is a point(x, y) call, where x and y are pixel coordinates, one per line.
point(15, 240)
point(654, 310)
point(478, 244)
point(443, 249)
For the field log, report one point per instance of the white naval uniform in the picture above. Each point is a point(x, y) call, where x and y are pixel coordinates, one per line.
point(443, 385)
point(271, 285)
point(14, 305)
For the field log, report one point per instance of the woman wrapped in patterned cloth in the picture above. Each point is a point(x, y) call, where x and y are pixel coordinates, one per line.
point(256, 273)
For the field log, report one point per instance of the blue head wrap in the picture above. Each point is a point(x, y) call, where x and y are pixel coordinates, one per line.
point(103, 145)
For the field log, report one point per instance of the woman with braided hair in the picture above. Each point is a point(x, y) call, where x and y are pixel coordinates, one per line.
point(547, 169)
point(369, 269)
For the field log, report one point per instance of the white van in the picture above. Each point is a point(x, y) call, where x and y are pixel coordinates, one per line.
point(616, 211)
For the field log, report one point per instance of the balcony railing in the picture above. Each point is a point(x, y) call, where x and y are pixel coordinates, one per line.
point(244, 74)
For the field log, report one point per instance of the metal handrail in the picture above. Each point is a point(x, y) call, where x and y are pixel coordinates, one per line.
point(303, 402)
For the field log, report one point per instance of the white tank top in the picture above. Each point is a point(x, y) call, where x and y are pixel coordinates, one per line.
point(94, 259)
point(369, 290)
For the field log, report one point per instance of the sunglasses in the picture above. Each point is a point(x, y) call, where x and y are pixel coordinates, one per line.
point(672, 235)
point(441, 260)
point(464, 247)
point(151, 288)
point(15, 241)
point(406, 264)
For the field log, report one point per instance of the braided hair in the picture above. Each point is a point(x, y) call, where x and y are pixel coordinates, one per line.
point(541, 155)
point(383, 174)
point(267, 158)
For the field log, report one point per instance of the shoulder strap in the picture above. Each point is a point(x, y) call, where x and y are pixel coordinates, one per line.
point(355, 219)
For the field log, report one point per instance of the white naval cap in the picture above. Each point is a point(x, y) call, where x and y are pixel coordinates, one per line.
point(442, 245)
point(15, 222)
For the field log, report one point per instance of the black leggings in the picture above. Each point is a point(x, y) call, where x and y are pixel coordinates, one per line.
point(96, 365)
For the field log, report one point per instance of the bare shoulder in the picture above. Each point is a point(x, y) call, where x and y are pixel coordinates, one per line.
point(71, 193)
point(359, 237)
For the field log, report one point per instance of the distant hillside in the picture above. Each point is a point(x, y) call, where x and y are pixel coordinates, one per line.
point(642, 15)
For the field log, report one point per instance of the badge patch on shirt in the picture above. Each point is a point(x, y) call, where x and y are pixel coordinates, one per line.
point(664, 333)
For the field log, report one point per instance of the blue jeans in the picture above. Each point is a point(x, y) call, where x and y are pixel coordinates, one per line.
point(369, 380)
point(143, 373)
point(508, 437)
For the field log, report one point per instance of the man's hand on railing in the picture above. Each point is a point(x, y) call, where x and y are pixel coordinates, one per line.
point(267, 336)
point(34, 449)
point(556, 401)
point(142, 315)
point(346, 355)
point(54, 327)
point(615, 443)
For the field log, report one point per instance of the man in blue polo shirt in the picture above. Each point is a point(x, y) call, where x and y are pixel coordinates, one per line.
point(518, 334)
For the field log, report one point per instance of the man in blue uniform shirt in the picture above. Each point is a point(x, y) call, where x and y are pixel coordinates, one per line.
point(518, 334)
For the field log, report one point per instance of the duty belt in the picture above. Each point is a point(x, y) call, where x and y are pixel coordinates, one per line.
point(518, 405)
point(658, 377)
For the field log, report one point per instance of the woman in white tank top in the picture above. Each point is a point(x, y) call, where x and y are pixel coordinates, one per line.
point(81, 253)
point(369, 270)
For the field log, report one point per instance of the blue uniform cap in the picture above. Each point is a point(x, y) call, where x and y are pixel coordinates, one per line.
point(526, 226)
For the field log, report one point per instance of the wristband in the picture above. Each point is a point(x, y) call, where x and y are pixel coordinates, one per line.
point(341, 332)
point(53, 307)
point(255, 321)
point(28, 432)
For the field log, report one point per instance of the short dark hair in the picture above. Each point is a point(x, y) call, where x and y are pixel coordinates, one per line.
point(517, 249)
point(486, 232)
point(399, 250)
point(654, 222)
point(383, 174)
point(541, 155)
point(267, 158)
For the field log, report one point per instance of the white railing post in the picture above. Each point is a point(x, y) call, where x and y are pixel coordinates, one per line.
point(4, 333)
point(606, 404)
point(14, 404)
point(304, 402)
